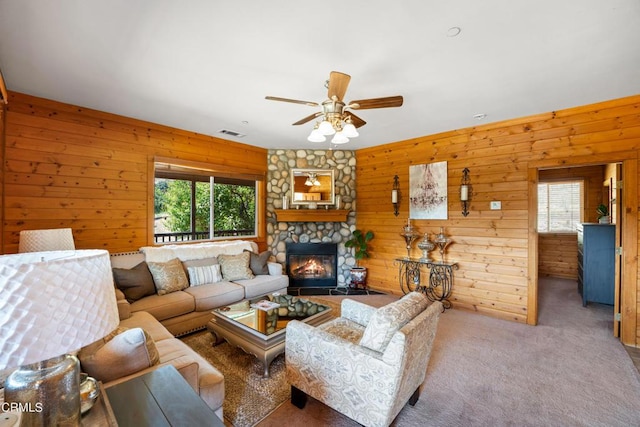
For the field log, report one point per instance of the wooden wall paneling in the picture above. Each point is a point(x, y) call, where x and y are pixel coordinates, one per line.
point(500, 157)
point(68, 166)
point(557, 255)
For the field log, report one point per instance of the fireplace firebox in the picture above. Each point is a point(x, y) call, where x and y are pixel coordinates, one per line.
point(312, 264)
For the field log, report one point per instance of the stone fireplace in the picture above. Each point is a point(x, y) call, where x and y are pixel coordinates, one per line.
point(312, 264)
point(281, 233)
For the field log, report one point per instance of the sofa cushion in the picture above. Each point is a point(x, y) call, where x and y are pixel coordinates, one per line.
point(135, 283)
point(168, 276)
point(261, 285)
point(123, 352)
point(235, 267)
point(387, 320)
point(211, 381)
point(345, 329)
point(165, 306)
point(204, 274)
point(258, 262)
point(142, 319)
point(213, 295)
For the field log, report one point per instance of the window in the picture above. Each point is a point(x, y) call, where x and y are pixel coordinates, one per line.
point(192, 204)
point(559, 206)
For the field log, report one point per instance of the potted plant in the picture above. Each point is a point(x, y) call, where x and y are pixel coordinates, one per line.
point(359, 241)
point(603, 213)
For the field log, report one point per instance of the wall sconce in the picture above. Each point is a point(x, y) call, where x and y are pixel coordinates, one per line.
point(465, 192)
point(395, 194)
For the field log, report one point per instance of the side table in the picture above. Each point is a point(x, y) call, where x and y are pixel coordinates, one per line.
point(438, 288)
point(161, 397)
point(101, 414)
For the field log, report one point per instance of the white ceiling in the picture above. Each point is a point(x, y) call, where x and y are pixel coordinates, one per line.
point(206, 65)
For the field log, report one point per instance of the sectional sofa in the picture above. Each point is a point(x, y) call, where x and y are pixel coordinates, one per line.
point(216, 275)
point(189, 309)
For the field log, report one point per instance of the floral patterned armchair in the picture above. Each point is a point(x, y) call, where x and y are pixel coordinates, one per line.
point(366, 364)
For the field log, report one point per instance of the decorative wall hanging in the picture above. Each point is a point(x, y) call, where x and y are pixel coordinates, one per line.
point(428, 191)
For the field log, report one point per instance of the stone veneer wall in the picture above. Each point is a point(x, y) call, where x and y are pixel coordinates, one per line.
point(280, 162)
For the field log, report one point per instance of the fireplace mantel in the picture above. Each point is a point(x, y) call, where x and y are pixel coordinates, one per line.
point(312, 215)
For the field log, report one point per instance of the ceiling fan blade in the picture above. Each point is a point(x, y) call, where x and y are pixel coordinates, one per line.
point(366, 104)
point(338, 83)
point(357, 121)
point(295, 101)
point(308, 118)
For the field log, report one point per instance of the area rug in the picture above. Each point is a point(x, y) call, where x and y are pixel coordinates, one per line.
point(248, 396)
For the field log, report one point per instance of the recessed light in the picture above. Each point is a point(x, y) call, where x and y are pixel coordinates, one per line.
point(245, 122)
point(479, 116)
point(453, 31)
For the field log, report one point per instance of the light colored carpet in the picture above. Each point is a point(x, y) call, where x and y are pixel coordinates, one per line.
point(567, 371)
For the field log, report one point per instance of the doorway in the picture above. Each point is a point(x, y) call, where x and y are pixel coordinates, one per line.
point(626, 220)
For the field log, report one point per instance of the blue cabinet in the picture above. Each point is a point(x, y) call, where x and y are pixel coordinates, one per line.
point(596, 262)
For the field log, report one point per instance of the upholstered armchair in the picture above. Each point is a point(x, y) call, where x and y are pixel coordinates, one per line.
point(366, 364)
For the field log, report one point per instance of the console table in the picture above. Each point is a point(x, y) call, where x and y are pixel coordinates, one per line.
point(438, 288)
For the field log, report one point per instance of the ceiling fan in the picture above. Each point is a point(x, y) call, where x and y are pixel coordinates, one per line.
point(336, 120)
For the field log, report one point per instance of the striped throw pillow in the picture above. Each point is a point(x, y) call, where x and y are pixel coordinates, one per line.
point(202, 275)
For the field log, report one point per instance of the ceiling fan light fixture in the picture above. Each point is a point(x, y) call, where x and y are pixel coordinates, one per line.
point(316, 136)
point(340, 138)
point(326, 128)
point(349, 130)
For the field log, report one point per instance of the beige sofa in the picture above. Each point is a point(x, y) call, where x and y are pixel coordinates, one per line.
point(190, 309)
point(176, 313)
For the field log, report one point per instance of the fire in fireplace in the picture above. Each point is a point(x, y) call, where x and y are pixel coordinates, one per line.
point(312, 264)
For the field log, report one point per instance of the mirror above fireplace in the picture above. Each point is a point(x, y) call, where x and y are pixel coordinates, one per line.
point(312, 187)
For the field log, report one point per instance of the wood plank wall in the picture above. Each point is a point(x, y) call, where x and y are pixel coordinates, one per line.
point(558, 255)
point(490, 246)
point(68, 166)
point(558, 252)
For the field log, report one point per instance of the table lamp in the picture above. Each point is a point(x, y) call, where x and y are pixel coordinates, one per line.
point(51, 304)
point(53, 239)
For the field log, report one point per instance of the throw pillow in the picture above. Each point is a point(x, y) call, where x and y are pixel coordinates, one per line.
point(168, 276)
point(135, 283)
point(258, 262)
point(387, 320)
point(204, 274)
point(199, 263)
point(235, 267)
point(121, 353)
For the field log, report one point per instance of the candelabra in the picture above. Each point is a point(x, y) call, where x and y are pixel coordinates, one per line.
point(442, 241)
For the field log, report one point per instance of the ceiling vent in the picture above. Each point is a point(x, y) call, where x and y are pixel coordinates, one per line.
point(231, 133)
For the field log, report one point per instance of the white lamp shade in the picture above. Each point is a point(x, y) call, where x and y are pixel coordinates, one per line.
point(326, 128)
point(339, 138)
point(316, 136)
point(54, 303)
point(56, 239)
point(349, 130)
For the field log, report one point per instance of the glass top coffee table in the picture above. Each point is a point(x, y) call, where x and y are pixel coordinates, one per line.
point(258, 325)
